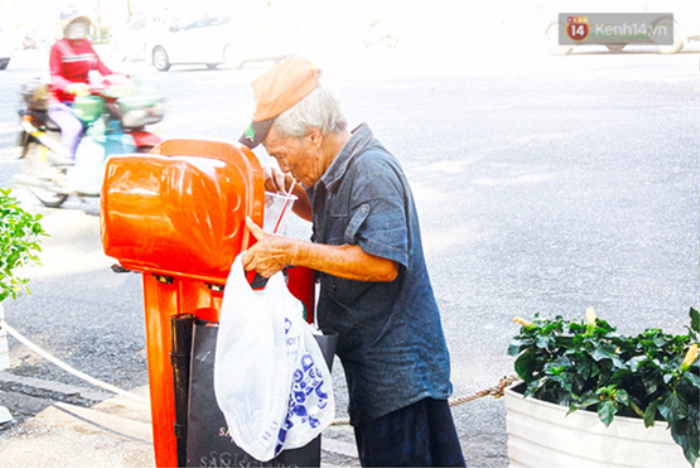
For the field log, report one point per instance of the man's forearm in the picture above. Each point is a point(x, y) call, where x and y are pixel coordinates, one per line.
point(345, 261)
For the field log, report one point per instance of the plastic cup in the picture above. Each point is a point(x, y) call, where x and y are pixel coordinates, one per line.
point(277, 209)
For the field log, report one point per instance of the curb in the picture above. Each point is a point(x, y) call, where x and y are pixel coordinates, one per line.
point(54, 387)
point(97, 428)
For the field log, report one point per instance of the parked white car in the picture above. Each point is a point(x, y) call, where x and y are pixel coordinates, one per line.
point(212, 38)
point(130, 40)
point(5, 49)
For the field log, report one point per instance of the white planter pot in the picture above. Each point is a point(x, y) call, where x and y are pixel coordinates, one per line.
point(540, 435)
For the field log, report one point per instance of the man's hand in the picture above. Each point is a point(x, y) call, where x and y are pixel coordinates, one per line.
point(270, 254)
point(277, 181)
point(273, 252)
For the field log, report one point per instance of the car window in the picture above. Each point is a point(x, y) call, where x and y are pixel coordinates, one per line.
point(219, 20)
point(202, 21)
point(138, 24)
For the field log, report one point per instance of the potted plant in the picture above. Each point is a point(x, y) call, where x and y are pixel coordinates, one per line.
point(19, 244)
point(640, 383)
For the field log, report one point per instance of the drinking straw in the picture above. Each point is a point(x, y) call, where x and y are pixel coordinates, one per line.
point(284, 208)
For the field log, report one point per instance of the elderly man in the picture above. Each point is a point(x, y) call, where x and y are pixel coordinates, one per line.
point(366, 248)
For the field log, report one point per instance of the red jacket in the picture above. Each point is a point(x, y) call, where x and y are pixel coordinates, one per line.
point(70, 62)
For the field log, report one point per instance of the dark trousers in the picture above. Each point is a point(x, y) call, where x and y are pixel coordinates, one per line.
point(421, 434)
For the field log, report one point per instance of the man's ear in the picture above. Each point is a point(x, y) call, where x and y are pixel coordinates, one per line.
point(315, 136)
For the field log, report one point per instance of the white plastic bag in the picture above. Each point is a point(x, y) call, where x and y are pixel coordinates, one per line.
point(270, 379)
point(311, 406)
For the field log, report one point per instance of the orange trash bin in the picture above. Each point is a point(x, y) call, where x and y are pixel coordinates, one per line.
point(177, 215)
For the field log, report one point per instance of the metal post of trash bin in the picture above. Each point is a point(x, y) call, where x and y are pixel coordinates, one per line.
point(177, 215)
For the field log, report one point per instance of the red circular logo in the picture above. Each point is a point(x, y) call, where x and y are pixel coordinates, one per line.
point(577, 28)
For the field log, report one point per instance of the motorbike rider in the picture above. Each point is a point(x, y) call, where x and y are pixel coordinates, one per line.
point(71, 59)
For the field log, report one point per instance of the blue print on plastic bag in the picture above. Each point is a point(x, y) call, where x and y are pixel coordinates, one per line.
point(306, 396)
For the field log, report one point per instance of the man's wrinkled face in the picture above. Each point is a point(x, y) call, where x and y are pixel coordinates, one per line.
point(300, 156)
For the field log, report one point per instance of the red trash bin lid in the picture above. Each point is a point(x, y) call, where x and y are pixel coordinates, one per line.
point(180, 210)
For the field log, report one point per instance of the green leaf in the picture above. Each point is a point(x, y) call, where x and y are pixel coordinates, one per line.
point(621, 375)
point(652, 381)
point(604, 326)
point(636, 408)
point(674, 407)
point(603, 353)
point(695, 320)
point(19, 231)
point(585, 369)
point(516, 346)
point(588, 399)
point(558, 363)
point(524, 365)
point(692, 378)
point(623, 397)
point(686, 433)
point(660, 341)
point(634, 363)
point(542, 341)
point(607, 352)
point(565, 342)
point(606, 411)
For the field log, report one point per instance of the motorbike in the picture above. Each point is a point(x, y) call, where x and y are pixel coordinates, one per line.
point(114, 114)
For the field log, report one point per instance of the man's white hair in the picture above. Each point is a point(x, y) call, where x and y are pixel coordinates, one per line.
point(320, 108)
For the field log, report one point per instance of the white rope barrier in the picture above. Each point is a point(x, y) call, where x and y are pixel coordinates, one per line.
point(496, 391)
point(18, 336)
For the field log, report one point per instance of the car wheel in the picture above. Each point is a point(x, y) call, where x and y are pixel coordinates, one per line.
point(232, 58)
point(49, 199)
point(36, 166)
point(4, 63)
point(160, 59)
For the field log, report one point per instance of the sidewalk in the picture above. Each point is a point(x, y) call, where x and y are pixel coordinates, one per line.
point(49, 433)
point(115, 431)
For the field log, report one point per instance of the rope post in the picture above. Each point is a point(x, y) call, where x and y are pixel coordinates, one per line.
point(4, 348)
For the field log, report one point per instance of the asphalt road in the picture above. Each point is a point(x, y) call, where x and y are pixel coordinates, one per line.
point(544, 185)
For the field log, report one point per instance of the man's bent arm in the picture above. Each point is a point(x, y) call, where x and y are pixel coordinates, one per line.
point(272, 253)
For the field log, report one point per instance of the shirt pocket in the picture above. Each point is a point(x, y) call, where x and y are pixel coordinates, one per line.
point(344, 228)
point(337, 222)
point(344, 291)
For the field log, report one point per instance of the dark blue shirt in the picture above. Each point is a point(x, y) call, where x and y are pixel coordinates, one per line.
point(391, 342)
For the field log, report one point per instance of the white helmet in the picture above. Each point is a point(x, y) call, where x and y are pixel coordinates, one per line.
point(69, 15)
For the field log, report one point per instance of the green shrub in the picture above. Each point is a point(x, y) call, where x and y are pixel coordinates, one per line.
point(19, 244)
point(653, 376)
